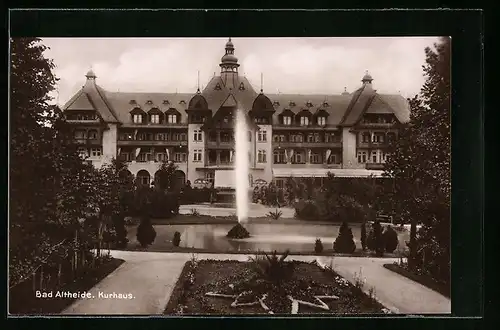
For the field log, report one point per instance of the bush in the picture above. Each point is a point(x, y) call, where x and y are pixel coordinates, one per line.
point(275, 215)
point(177, 239)
point(238, 231)
point(146, 234)
point(344, 243)
point(363, 236)
point(318, 247)
point(272, 268)
point(375, 240)
point(306, 210)
point(390, 239)
point(121, 232)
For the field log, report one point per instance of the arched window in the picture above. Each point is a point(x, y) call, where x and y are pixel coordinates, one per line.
point(143, 178)
point(93, 134)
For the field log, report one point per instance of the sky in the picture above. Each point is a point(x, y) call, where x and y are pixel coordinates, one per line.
point(287, 65)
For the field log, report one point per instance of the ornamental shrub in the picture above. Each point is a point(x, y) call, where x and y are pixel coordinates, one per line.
point(177, 239)
point(390, 239)
point(318, 247)
point(344, 243)
point(146, 233)
point(363, 236)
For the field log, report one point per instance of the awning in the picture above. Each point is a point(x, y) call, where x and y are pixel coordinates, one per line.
point(323, 172)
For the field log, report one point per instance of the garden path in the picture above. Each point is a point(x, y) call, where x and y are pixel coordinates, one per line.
point(151, 276)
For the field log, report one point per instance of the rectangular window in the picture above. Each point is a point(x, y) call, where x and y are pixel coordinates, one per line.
point(249, 136)
point(314, 159)
point(197, 155)
point(210, 176)
point(261, 156)
point(95, 152)
point(93, 135)
point(310, 138)
point(125, 156)
point(149, 157)
point(332, 159)
point(179, 157)
point(279, 157)
point(212, 136)
point(287, 120)
point(160, 136)
point(362, 157)
point(155, 119)
point(80, 135)
point(298, 159)
point(374, 157)
point(225, 137)
point(304, 121)
point(160, 157)
point(322, 121)
point(279, 183)
point(317, 138)
point(137, 119)
point(172, 119)
point(197, 136)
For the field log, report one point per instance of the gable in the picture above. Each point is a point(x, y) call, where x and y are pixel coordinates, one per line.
point(82, 102)
point(230, 102)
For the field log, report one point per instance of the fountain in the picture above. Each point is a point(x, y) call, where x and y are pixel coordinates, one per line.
point(241, 172)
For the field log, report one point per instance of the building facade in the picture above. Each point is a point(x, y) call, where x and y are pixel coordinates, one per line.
point(290, 135)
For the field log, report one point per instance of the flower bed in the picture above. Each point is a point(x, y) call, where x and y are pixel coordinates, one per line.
point(23, 301)
point(233, 287)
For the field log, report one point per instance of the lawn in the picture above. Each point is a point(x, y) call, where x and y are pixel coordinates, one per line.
point(292, 287)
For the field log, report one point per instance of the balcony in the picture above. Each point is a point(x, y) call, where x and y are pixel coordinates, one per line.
point(310, 145)
point(297, 127)
point(375, 166)
point(89, 142)
point(150, 125)
point(143, 143)
point(83, 121)
point(369, 145)
point(220, 145)
point(376, 125)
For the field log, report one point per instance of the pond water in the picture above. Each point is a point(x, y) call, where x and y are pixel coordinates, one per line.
point(264, 237)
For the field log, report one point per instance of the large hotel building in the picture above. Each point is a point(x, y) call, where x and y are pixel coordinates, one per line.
point(289, 134)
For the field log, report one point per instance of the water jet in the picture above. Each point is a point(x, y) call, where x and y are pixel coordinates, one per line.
point(241, 175)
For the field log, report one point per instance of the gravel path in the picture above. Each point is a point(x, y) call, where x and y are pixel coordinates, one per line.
point(150, 277)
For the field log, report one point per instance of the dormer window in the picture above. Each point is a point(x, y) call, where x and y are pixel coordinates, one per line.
point(155, 119)
point(182, 102)
point(309, 104)
point(276, 104)
point(149, 102)
point(166, 102)
point(321, 121)
point(292, 104)
point(325, 104)
point(217, 87)
point(304, 121)
point(287, 120)
point(137, 119)
point(242, 87)
point(172, 119)
point(133, 102)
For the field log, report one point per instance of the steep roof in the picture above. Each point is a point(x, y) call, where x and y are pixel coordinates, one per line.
point(121, 101)
point(91, 97)
point(367, 100)
point(335, 105)
point(216, 93)
point(345, 109)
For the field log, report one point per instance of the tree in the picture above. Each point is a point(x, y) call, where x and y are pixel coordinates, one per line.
point(419, 164)
point(363, 236)
point(48, 192)
point(165, 176)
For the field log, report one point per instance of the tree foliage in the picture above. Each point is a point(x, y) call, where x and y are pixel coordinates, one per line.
point(419, 163)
